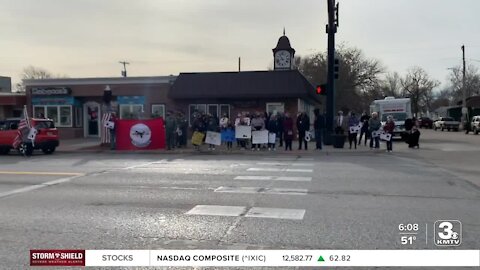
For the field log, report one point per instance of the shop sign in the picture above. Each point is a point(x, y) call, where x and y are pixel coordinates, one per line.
point(125, 100)
point(53, 101)
point(51, 91)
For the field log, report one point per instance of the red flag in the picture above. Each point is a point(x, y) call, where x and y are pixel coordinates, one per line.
point(22, 130)
point(140, 134)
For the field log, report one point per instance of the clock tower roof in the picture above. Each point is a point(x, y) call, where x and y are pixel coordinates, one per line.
point(283, 44)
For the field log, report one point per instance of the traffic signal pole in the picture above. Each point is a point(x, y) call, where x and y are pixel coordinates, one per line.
point(330, 108)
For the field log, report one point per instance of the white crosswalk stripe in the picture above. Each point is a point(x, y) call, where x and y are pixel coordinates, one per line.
point(273, 178)
point(254, 212)
point(278, 170)
point(277, 166)
point(261, 190)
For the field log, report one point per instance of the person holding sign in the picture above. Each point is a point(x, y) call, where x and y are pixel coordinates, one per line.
point(374, 126)
point(257, 124)
point(272, 132)
point(353, 125)
point(388, 128)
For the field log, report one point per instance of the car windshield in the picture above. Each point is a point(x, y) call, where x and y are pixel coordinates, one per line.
point(396, 116)
point(44, 124)
point(447, 119)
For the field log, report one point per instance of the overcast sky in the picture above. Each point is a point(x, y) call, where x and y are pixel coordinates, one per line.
point(87, 38)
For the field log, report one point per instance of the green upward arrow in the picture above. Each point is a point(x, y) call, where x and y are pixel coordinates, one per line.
point(320, 259)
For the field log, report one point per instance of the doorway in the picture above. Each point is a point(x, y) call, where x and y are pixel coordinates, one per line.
point(91, 116)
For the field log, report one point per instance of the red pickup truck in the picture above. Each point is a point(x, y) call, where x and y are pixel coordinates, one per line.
point(46, 139)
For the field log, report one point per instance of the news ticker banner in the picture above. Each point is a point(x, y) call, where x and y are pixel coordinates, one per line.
point(256, 258)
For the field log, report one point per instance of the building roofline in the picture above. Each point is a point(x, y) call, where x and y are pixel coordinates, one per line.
point(13, 94)
point(106, 80)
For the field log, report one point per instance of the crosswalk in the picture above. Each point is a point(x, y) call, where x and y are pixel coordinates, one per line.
point(284, 170)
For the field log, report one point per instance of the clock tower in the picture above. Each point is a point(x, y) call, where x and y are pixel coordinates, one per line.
point(283, 54)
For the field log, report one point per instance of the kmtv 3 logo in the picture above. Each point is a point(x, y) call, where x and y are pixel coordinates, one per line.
point(448, 233)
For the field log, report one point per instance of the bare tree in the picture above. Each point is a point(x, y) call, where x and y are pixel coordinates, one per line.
point(418, 85)
point(32, 72)
point(391, 85)
point(472, 81)
point(358, 81)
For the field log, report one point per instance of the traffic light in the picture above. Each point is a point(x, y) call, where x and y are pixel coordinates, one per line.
point(336, 68)
point(321, 89)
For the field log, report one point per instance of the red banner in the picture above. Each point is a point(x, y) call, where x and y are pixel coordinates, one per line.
point(140, 134)
point(56, 257)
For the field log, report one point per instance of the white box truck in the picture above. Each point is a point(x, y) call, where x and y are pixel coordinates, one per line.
point(399, 108)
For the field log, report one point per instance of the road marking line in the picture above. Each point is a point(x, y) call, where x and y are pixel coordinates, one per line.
point(253, 177)
point(264, 169)
point(42, 185)
point(217, 210)
point(41, 173)
point(256, 212)
point(278, 170)
point(279, 213)
point(284, 164)
point(274, 178)
point(260, 190)
point(298, 170)
point(294, 178)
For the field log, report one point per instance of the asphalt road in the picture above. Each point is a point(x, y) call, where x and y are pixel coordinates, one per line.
point(343, 200)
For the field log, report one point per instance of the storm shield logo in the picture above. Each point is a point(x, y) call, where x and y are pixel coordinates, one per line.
point(140, 135)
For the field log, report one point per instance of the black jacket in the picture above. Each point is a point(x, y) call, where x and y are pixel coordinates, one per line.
point(319, 122)
point(303, 123)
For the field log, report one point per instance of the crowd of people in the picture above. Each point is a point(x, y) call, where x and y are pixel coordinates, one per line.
point(283, 127)
point(280, 126)
point(370, 127)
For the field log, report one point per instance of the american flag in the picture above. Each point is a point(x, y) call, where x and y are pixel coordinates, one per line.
point(105, 132)
point(22, 130)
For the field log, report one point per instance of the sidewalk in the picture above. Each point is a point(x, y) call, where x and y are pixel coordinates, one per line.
point(88, 145)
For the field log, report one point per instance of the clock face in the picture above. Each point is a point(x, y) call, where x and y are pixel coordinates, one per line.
point(282, 59)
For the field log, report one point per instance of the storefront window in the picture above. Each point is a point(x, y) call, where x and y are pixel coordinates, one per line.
point(275, 108)
point(52, 113)
point(225, 109)
point(60, 115)
point(65, 115)
point(158, 110)
point(133, 111)
point(39, 111)
point(213, 109)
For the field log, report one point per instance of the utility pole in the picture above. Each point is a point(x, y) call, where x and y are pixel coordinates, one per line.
point(464, 94)
point(124, 71)
point(331, 29)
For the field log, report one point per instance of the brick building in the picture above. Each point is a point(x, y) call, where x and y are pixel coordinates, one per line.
point(76, 105)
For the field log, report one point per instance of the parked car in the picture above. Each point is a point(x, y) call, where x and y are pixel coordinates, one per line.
point(425, 122)
point(475, 125)
point(447, 123)
point(46, 139)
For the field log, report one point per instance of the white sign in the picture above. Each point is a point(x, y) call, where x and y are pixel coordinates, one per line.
point(259, 136)
point(110, 124)
point(376, 134)
point(385, 136)
point(243, 132)
point(308, 136)
point(214, 138)
point(32, 133)
point(355, 129)
point(272, 137)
